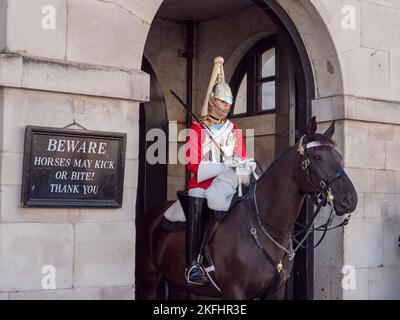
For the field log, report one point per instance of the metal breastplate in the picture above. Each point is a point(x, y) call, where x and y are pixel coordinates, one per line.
point(227, 144)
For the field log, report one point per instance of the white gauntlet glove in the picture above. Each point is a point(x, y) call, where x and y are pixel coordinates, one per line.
point(243, 176)
point(244, 170)
point(233, 162)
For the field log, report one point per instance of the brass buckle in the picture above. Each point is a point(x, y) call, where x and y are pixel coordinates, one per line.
point(330, 198)
point(300, 150)
point(305, 164)
point(319, 195)
point(279, 266)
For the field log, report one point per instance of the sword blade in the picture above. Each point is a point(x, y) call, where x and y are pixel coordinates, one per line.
point(208, 130)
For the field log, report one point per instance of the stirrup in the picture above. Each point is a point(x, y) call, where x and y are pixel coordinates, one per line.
point(199, 269)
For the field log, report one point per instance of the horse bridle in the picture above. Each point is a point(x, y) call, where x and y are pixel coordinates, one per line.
point(322, 196)
point(322, 190)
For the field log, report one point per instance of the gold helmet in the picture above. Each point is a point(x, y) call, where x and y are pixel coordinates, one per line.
point(217, 88)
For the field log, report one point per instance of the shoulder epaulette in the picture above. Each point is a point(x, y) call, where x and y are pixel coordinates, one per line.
point(202, 119)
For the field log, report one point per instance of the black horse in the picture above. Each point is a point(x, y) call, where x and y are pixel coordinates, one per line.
point(249, 247)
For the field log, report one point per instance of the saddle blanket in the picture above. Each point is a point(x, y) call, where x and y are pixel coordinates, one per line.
point(175, 213)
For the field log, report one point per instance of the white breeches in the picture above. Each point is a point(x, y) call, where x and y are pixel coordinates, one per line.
point(197, 192)
point(220, 193)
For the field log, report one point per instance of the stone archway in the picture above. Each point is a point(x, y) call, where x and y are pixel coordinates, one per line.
point(306, 25)
point(91, 68)
point(310, 19)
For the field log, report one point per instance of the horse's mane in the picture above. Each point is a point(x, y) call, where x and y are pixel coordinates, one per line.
point(323, 139)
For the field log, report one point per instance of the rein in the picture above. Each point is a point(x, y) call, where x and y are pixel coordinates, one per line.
point(322, 196)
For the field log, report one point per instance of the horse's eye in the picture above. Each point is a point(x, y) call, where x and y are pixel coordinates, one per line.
point(317, 157)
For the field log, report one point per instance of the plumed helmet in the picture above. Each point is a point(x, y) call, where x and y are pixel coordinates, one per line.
point(223, 92)
point(217, 88)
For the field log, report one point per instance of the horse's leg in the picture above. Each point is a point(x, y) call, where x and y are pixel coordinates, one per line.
point(148, 274)
point(178, 294)
point(234, 293)
point(280, 292)
point(148, 287)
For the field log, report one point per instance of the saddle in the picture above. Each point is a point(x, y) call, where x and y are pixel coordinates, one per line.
point(183, 197)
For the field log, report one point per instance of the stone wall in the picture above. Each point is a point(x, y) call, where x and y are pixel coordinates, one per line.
point(3, 25)
point(368, 114)
point(373, 163)
point(80, 70)
point(369, 244)
point(90, 248)
point(89, 69)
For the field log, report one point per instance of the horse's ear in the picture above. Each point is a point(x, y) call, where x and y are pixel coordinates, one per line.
point(311, 128)
point(331, 130)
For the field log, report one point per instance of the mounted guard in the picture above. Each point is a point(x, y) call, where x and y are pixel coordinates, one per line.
point(243, 243)
point(215, 146)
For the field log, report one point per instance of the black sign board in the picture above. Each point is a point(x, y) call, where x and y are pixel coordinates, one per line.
point(73, 168)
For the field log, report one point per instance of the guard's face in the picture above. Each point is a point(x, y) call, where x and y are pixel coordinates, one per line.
point(220, 108)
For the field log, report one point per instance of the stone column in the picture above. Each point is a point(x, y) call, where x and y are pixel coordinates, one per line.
point(369, 126)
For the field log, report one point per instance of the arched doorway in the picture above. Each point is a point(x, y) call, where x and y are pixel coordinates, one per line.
point(296, 92)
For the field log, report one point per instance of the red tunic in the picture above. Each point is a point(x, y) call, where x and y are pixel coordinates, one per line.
point(194, 152)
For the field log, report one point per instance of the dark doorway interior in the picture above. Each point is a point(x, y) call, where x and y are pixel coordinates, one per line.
point(152, 180)
point(153, 115)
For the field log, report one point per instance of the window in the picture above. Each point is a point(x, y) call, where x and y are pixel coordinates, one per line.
point(267, 80)
point(240, 105)
point(254, 81)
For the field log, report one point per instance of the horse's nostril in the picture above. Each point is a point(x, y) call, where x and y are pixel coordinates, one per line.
point(346, 201)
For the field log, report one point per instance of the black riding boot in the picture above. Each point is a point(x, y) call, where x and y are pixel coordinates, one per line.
point(194, 238)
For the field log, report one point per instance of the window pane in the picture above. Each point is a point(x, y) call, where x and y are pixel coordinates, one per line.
point(268, 63)
point(241, 98)
point(268, 96)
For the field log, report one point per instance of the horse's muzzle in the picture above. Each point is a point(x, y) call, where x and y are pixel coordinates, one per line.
point(346, 204)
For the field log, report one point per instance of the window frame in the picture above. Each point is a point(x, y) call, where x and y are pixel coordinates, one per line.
point(251, 65)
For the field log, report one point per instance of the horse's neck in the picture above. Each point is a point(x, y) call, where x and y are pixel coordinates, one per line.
point(279, 188)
